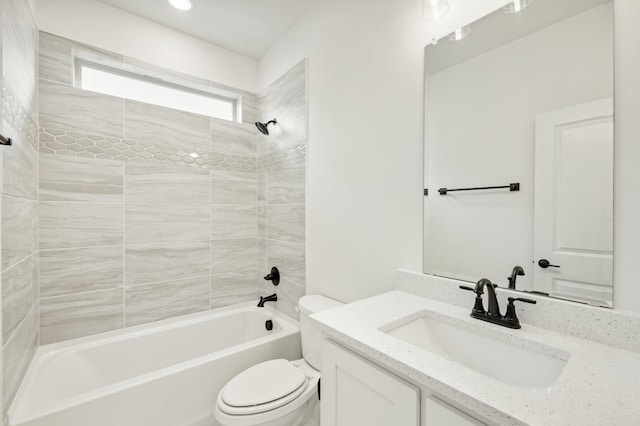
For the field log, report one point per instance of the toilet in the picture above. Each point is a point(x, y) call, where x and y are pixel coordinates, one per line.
point(278, 392)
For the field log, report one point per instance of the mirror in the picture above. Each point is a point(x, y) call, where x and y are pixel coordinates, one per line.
point(524, 98)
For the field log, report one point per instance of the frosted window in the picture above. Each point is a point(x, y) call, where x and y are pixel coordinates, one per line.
point(131, 86)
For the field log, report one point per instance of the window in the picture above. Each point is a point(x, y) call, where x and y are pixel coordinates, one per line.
point(125, 84)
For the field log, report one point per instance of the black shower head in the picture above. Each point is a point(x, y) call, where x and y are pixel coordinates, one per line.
point(264, 127)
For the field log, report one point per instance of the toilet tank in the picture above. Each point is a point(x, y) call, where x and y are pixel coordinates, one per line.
point(309, 334)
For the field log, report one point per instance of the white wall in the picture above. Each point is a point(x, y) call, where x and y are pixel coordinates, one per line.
point(364, 178)
point(364, 201)
point(499, 94)
point(100, 25)
point(627, 157)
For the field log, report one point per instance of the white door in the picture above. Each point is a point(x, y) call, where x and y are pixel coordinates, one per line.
point(574, 202)
point(356, 392)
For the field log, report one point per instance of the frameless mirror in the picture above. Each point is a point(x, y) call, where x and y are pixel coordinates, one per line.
point(523, 96)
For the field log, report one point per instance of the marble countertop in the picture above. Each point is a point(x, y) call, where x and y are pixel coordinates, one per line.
point(600, 384)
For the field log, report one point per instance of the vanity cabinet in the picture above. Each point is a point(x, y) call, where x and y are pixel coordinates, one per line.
point(355, 391)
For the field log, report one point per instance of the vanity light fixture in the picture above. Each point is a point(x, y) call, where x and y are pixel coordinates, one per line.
point(516, 6)
point(460, 33)
point(432, 10)
point(181, 4)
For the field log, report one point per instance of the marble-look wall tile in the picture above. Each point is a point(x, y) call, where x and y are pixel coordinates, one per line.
point(233, 187)
point(20, 51)
point(233, 255)
point(263, 256)
point(263, 184)
point(154, 223)
point(69, 271)
point(17, 224)
point(57, 54)
point(232, 137)
point(56, 59)
point(286, 186)
point(167, 126)
point(233, 222)
point(229, 288)
point(17, 295)
point(286, 222)
point(78, 224)
point(154, 302)
point(249, 107)
point(158, 262)
point(19, 165)
point(65, 178)
point(69, 108)
point(162, 184)
point(284, 158)
point(80, 314)
point(262, 222)
point(290, 258)
point(289, 292)
point(285, 99)
point(17, 354)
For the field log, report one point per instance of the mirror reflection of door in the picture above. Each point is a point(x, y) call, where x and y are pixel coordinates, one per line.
point(573, 223)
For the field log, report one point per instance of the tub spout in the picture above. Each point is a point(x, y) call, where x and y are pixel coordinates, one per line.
point(272, 298)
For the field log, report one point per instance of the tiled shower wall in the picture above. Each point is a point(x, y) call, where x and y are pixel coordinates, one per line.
point(19, 187)
point(281, 183)
point(145, 212)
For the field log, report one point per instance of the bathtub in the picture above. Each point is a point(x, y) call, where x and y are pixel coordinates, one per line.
point(166, 373)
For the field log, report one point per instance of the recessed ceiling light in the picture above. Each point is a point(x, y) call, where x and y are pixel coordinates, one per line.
point(181, 4)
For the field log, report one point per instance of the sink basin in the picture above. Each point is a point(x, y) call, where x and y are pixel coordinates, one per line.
point(516, 362)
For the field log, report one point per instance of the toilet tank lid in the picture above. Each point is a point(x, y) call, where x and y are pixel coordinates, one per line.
point(316, 303)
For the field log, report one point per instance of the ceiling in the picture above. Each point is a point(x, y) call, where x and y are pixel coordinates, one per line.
point(249, 27)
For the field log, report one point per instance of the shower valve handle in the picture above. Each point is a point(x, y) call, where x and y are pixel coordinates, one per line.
point(274, 276)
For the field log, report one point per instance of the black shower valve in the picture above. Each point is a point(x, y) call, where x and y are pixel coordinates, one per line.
point(274, 276)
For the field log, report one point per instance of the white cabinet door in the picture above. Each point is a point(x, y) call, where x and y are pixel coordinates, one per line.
point(574, 202)
point(439, 413)
point(355, 392)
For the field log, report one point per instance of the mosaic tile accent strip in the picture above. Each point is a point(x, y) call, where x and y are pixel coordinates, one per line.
point(283, 158)
point(17, 117)
point(63, 142)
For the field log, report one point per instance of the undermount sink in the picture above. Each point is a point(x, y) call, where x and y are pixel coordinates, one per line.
point(509, 362)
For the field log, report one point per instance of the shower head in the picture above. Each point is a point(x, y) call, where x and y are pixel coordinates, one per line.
point(264, 127)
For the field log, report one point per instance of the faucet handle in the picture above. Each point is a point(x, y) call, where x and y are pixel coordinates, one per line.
point(478, 307)
point(510, 316)
point(521, 299)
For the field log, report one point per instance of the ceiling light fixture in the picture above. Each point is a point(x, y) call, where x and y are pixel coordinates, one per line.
point(460, 33)
point(181, 4)
point(432, 10)
point(516, 6)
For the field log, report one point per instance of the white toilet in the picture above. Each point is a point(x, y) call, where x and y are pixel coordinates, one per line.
point(278, 392)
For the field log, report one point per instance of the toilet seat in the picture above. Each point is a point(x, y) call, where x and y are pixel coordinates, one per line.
point(263, 387)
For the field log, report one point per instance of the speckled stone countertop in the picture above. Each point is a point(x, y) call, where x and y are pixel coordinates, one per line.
point(600, 384)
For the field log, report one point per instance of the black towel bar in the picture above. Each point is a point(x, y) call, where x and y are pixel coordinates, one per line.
point(512, 187)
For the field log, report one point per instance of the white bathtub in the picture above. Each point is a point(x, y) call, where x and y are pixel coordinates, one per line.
point(162, 374)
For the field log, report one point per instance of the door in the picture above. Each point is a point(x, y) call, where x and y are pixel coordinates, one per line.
point(356, 392)
point(573, 235)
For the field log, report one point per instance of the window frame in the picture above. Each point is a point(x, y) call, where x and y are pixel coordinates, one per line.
point(235, 101)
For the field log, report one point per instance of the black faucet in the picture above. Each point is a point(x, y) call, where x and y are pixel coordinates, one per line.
point(272, 298)
point(517, 270)
point(492, 314)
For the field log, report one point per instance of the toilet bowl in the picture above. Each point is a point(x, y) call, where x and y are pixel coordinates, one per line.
point(278, 392)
